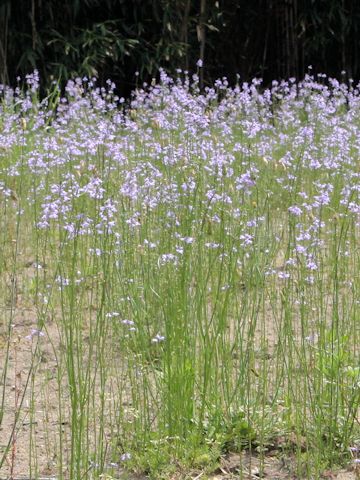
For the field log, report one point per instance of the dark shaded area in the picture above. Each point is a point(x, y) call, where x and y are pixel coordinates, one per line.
point(115, 38)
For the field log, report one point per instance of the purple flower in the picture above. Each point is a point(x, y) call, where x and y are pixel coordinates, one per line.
point(35, 333)
point(125, 456)
point(295, 210)
point(158, 338)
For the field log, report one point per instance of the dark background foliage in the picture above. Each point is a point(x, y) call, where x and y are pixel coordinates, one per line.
point(115, 38)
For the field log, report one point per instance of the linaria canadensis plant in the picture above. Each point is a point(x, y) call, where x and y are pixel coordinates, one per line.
point(179, 276)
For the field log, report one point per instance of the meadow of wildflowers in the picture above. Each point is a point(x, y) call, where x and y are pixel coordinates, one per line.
point(179, 278)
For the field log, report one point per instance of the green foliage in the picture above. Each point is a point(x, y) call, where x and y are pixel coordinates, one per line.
point(115, 39)
point(89, 50)
point(337, 390)
point(230, 433)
